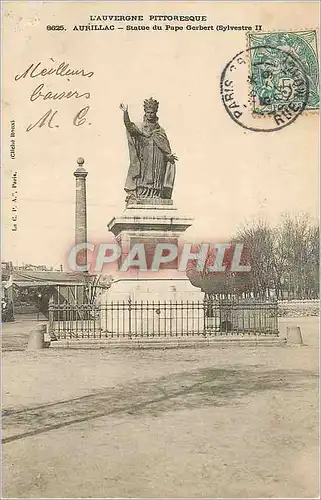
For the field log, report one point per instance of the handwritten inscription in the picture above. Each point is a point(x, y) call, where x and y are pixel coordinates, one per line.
point(48, 119)
point(34, 70)
point(43, 93)
point(39, 94)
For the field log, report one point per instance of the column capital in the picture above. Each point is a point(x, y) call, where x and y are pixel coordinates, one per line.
point(80, 171)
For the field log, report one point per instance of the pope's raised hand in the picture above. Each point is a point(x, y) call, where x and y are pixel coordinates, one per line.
point(172, 158)
point(123, 107)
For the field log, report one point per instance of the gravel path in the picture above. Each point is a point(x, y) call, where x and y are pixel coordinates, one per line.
point(234, 422)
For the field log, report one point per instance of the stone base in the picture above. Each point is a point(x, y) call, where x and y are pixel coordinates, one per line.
point(157, 289)
point(149, 222)
point(149, 202)
point(142, 219)
point(219, 341)
point(148, 225)
point(156, 306)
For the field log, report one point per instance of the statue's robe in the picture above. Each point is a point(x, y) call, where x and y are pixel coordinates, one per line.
point(150, 173)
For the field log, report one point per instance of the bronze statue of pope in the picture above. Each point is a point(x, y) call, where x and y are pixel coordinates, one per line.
point(151, 171)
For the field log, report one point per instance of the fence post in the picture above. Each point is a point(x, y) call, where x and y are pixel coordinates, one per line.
point(204, 314)
point(129, 316)
point(51, 325)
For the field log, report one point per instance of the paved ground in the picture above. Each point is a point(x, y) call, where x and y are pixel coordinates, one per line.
point(15, 334)
point(234, 422)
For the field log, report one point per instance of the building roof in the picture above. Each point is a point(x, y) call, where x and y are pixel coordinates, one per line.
point(45, 278)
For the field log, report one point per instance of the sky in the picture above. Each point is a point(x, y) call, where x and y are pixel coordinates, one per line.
point(226, 176)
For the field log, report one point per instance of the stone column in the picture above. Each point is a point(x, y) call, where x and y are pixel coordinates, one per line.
point(81, 210)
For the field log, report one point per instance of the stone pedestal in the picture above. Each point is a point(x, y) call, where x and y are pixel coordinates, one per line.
point(148, 223)
point(151, 222)
point(172, 288)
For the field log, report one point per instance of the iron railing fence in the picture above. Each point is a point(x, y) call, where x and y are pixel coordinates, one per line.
point(148, 319)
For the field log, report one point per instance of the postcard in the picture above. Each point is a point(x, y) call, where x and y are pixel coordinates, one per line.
point(160, 190)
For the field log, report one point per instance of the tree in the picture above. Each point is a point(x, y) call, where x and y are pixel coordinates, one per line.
point(284, 261)
point(258, 240)
point(297, 256)
point(285, 258)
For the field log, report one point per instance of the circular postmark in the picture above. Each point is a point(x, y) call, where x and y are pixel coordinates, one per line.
point(264, 88)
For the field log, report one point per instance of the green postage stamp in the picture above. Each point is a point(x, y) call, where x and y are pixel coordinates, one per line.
point(273, 87)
